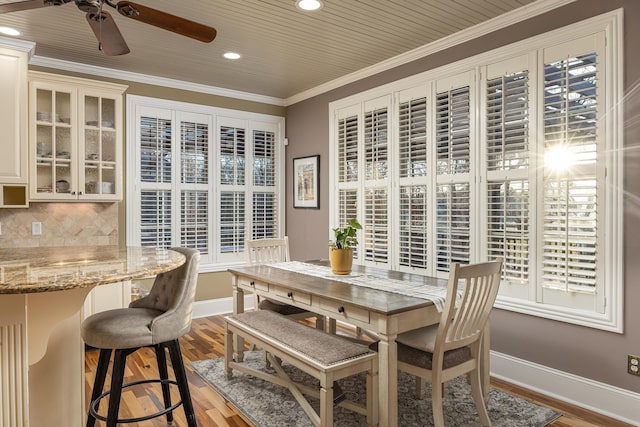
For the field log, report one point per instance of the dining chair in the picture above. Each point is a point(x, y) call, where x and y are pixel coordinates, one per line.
point(273, 250)
point(156, 320)
point(451, 348)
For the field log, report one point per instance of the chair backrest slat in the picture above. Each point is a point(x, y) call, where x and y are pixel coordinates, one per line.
point(471, 294)
point(264, 251)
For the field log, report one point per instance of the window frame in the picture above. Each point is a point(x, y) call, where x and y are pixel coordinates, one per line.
point(609, 265)
point(215, 117)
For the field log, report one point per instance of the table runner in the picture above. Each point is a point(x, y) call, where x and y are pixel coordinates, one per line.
point(432, 293)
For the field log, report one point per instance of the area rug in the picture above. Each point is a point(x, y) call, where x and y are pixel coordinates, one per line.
point(268, 405)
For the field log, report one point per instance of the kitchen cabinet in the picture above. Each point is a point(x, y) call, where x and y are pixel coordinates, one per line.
point(75, 139)
point(107, 297)
point(14, 56)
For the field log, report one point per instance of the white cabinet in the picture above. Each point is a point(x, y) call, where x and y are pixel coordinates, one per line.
point(14, 57)
point(75, 139)
point(107, 297)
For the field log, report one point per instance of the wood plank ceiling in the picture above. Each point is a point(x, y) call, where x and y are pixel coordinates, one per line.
point(285, 51)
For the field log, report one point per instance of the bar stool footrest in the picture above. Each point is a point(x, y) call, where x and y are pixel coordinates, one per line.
point(94, 404)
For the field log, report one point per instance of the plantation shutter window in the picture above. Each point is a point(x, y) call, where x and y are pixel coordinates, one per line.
point(194, 180)
point(155, 218)
point(508, 108)
point(453, 171)
point(571, 196)
point(204, 178)
point(514, 153)
point(413, 244)
point(348, 169)
point(348, 149)
point(265, 218)
point(232, 135)
point(376, 181)
point(156, 173)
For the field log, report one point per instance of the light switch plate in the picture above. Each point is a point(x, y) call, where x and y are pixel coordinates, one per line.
point(36, 228)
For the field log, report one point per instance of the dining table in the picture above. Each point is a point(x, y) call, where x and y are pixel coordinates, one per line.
point(42, 292)
point(383, 302)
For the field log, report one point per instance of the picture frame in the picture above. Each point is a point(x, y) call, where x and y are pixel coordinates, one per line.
point(306, 182)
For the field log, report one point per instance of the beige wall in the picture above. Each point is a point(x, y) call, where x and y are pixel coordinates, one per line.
point(105, 223)
point(586, 352)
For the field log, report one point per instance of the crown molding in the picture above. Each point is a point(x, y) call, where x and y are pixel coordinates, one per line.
point(152, 80)
point(502, 21)
point(16, 44)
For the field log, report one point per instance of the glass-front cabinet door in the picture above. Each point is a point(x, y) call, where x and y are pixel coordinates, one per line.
point(75, 139)
point(100, 150)
point(55, 141)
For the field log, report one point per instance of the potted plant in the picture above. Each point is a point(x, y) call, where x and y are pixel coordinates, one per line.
point(341, 248)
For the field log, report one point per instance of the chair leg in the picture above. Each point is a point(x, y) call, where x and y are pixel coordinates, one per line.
point(117, 377)
point(161, 358)
point(181, 379)
point(98, 383)
point(478, 397)
point(436, 403)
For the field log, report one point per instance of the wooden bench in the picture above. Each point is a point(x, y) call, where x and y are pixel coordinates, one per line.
point(324, 356)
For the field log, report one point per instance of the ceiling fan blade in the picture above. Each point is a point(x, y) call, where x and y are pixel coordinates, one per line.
point(111, 41)
point(29, 4)
point(167, 21)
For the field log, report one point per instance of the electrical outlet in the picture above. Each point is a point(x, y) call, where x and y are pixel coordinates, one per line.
point(633, 364)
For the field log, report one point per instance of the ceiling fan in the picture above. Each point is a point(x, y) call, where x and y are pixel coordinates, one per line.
point(104, 27)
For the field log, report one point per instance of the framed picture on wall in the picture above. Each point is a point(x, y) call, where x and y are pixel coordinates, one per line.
point(306, 182)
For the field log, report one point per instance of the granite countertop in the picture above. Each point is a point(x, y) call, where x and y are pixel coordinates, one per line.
point(46, 269)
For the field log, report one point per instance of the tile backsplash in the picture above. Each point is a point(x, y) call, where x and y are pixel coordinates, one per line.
point(63, 224)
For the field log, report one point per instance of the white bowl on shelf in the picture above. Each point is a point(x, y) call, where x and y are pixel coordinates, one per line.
point(107, 187)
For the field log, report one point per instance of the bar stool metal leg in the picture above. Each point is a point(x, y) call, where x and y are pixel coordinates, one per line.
point(117, 377)
point(161, 358)
point(98, 383)
point(181, 379)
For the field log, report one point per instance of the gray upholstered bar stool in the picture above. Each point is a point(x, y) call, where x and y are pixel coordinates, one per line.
point(157, 321)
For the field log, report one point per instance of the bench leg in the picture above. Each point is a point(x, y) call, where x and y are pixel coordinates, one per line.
point(326, 402)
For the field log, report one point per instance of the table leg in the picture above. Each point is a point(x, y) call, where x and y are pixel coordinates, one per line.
point(238, 307)
point(388, 381)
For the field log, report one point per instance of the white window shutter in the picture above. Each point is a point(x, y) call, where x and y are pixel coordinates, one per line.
point(413, 167)
point(194, 220)
point(507, 159)
point(155, 218)
point(347, 144)
point(264, 200)
point(453, 172)
point(571, 196)
point(155, 149)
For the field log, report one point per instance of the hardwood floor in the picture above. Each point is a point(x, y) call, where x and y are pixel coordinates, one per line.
point(206, 340)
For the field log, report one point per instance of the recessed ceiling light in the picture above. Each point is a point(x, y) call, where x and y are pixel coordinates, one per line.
point(9, 31)
point(231, 55)
point(309, 4)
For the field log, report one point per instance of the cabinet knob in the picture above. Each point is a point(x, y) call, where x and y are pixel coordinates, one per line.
point(73, 193)
point(253, 284)
point(290, 294)
point(341, 309)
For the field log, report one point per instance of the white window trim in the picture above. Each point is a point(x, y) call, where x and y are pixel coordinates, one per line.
point(612, 25)
point(133, 102)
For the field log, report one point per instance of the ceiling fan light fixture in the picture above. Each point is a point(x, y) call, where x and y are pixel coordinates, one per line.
point(309, 5)
point(7, 31)
point(231, 55)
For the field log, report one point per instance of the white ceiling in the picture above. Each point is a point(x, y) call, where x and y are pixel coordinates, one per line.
point(285, 51)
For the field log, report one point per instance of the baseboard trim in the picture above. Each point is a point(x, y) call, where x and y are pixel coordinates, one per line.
point(605, 399)
point(216, 307)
